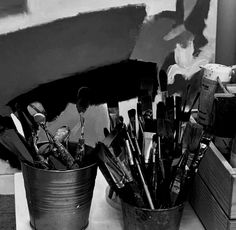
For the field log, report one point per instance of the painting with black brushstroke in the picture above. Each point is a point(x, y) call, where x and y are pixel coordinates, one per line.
point(180, 41)
point(11, 7)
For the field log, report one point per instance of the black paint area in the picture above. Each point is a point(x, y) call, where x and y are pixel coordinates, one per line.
point(108, 84)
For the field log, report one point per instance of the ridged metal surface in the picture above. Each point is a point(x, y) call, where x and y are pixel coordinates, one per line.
point(59, 200)
point(147, 219)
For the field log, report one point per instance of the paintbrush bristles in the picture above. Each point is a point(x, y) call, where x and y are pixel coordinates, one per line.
point(131, 113)
point(162, 80)
point(186, 97)
point(192, 136)
point(161, 110)
point(164, 127)
point(83, 99)
point(139, 109)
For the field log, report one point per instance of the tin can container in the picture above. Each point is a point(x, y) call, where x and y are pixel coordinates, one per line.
point(59, 199)
point(145, 219)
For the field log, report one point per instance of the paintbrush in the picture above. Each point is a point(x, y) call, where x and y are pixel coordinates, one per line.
point(170, 113)
point(30, 129)
point(141, 125)
point(15, 143)
point(80, 148)
point(140, 116)
point(147, 112)
point(163, 81)
point(163, 131)
point(83, 99)
point(129, 146)
point(113, 113)
point(164, 127)
point(184, 116)
point(151, 148)
point(204, 144)
point(191, 139)
point(177, 142)
point(138, 169)
point(188, 114)
point(55, 163)
point(82, 103)
point(164, 153)
point(121, 176)
point(175, 184)
point(132, 122)
point(186, 97)
point(192, 136)
point(62, 134)
point(60, 151)
point(145, 186)
point(156, 178)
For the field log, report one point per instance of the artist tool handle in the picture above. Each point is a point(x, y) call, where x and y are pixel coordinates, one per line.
point(164, 95)
point(65, 156)
point(117, 176)
point(131, 158)
point(126, 170)
point(138, 151)
point(62, 153)
point(146, 190)
point(130, 155)
point(120, 165)
point(175, 186)
point(160, 158)
point(162, 167)
point(80, 150)
point(155, 182)
point(130, 142)
point(131, 193)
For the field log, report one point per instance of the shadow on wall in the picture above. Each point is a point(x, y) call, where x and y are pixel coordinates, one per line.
point(12, 7)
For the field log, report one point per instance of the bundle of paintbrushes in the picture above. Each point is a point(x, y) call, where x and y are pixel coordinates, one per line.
point(176, 110)
point(155, 184)
point(120, 161)
point(57, 153)
point(188, 163)
point(149, 163)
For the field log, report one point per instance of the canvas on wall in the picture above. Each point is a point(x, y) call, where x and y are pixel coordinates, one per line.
point(165, 39)
point(180, 41)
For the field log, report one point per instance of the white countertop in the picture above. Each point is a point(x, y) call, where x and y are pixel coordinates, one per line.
point(102, 215)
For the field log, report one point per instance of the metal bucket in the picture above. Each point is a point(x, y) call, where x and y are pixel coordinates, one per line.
point(146, 219)
point(59, 200)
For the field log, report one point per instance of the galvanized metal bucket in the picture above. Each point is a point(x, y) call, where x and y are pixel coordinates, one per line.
point(146, 219)
point(59, 200)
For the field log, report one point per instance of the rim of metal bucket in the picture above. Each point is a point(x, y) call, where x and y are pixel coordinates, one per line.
point(59, 171)
point(156, 210)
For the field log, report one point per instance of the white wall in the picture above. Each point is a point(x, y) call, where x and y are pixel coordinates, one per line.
point(43, 11)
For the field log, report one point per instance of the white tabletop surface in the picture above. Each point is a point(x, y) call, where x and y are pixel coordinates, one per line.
point(102, 215)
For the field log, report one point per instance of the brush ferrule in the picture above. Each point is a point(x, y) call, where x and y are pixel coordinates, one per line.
point(164, 95)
